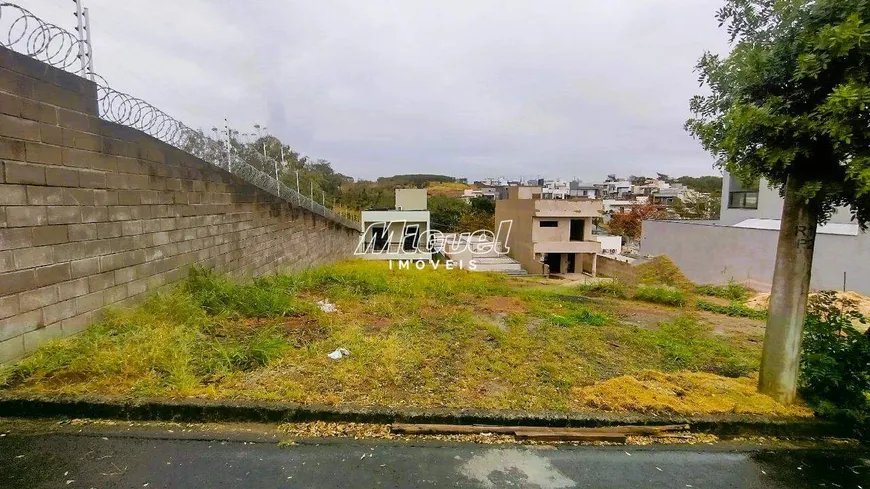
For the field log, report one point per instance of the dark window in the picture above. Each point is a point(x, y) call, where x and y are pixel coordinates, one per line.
point(549, 224)
point(577, 228)
point(412, 238)
point(379, 236)
point(742, 195)
point(743, 199)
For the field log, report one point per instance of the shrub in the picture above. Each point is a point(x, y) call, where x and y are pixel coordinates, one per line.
point(660, 295)
point(733, 291)
point(835, 360)
point(661, 270)
point(735, 309)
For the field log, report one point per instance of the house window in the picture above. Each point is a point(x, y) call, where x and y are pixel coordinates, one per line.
point(549, 224)
point(742, 195)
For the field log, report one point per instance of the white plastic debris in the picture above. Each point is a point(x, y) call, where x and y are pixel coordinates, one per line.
point(339, 353)
point(326, 306)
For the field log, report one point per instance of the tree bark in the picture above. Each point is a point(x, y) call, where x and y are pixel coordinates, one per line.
point(780, 360)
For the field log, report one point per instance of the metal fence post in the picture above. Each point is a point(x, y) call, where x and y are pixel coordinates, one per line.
point(80, 32)
point(90, 45)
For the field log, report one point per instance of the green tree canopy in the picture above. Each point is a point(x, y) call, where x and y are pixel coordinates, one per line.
point(791, 100)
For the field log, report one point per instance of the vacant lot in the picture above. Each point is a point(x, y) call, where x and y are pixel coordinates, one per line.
point(416, 338)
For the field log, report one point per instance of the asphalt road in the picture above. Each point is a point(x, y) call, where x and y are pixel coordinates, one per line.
point(64, 460)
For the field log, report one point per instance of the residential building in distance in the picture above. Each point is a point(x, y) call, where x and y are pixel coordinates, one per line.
point(741, 244)
point(555, 189)
point(667, 195)
point(488, 192)
point(576, 188)
point(618, 190)
point(550, 235)
point(395, 234)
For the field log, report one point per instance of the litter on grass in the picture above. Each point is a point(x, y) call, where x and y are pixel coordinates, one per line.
point(327, 306)
point(338, 353)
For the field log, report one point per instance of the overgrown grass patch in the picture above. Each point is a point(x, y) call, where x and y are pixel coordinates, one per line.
point(417, 338)
point(735, 309)
point(662, 271)
point(660, 294)
point(612, 288)
point(685, 345)
point(732, 291)
point(583, 316)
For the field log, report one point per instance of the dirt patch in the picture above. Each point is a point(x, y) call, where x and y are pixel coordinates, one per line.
point(685, 393)
point(302, 331)
point(642, 315)
point(752, 330)
point(502, 305)
point(761, 302)
point(373, 323)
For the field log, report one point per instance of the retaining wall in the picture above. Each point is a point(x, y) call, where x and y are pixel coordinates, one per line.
point(94, 214)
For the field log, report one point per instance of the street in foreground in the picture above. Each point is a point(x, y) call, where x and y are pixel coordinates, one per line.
point(185, 458)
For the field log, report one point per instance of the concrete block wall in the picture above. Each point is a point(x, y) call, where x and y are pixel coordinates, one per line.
point(95, 214)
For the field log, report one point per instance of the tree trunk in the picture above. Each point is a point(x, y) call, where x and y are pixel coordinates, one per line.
point(780, 360)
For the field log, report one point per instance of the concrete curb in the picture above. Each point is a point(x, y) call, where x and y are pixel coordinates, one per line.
point(207, 410)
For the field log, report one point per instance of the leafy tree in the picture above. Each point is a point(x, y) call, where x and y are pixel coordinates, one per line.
point(446, 212)
point(473, 220)
point(483, 204)
point(611, 178)
point(629, 224)
point(637, 180)
point(789, 103)
point(697, 206)
point(707, 184)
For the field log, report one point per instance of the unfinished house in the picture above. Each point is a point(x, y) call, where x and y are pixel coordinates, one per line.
point(550, 235)
point(399, 233)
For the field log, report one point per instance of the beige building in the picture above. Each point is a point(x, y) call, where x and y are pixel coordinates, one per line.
point(397, 234)
point(550, 235)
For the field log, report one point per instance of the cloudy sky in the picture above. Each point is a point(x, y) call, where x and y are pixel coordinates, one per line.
point(476, 88)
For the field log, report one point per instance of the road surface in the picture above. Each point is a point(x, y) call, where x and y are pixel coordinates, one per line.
point(203, 460)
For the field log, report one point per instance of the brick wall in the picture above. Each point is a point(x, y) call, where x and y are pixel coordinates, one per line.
point(94, 214)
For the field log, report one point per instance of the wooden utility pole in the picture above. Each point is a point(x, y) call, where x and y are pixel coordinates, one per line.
point(780, 360)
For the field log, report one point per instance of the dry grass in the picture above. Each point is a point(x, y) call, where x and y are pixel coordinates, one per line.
point(447, 189)
point(422, 339)
point(685, 393)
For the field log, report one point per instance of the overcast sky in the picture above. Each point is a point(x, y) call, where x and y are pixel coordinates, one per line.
point(476, 88)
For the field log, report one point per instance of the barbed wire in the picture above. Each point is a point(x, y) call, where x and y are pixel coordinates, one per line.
point(53, 45)
point(47, 42)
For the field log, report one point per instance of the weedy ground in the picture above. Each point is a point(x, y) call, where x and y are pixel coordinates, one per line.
point(433, 338)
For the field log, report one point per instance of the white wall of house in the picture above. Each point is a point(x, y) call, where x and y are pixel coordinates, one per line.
point(610, 245)
point(398, 222)
point(710, 253)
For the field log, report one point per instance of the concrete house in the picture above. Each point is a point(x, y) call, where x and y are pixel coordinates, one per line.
point(741, 245)
point(550, 235)
point(396, 234)
point(587, 190)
